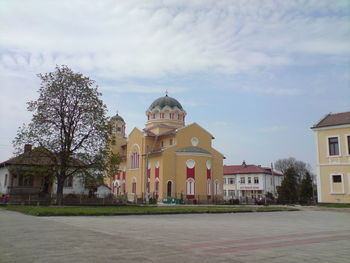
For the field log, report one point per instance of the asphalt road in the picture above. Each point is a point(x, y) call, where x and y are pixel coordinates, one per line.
point(304, 236)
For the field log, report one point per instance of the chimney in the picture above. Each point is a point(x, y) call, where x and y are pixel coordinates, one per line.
point(244, 164)
point(27, 148)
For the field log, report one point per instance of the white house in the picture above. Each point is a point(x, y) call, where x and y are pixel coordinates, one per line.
point(17, 176)
point(249, 181)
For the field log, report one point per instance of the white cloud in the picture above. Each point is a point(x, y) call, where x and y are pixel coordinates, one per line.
point(150, 39)
point(141, 89)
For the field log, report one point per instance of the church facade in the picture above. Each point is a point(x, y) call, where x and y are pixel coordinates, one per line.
point(166, 159)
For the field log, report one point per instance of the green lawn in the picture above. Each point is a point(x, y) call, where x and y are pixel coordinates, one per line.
point(335, 205)
point(137, 210)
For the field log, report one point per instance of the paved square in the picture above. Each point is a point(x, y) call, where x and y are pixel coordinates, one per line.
point(305, 236)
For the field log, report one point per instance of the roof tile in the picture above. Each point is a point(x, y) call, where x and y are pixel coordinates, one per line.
point(333, 120)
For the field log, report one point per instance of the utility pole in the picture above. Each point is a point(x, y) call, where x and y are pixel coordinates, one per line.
point(146, 180)
point(273, 181)
point(265, 187)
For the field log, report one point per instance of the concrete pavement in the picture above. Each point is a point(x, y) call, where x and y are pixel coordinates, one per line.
point(305, 236)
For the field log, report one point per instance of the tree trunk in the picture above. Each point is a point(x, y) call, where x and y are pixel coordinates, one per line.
point(59, 194)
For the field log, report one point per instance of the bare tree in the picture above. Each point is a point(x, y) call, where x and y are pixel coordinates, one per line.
point(300, 167)
point(69, 120)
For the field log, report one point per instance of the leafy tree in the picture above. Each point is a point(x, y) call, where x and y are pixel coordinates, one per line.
point(110, 165)
point(288, 191)
point(300, 167)
point(270, 196)
point(69, 120)
point(306, 189)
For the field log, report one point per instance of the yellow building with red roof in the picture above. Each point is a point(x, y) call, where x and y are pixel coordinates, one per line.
point(332, 134)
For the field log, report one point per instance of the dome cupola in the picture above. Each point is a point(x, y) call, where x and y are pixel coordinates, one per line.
point(117, 117)
point(165, 101)
point(118, 125)
point(166, 110)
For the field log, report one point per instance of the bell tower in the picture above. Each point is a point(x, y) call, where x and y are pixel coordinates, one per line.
point(118, 131)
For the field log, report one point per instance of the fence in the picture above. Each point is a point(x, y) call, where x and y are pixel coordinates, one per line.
point(68, 200)
point(176, 198)
point(81, 200)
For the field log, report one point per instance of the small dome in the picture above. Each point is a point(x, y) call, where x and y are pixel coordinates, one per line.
point(117, 118)
point(165, 101)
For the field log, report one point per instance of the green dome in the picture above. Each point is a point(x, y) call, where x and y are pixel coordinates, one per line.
point(117, 118)
point(165, 101)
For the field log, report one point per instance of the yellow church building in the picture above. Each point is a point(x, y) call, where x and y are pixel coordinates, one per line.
point(167, 159)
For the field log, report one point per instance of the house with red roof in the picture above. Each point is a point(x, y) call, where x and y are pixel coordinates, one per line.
point(332, 134)
point(249, 181)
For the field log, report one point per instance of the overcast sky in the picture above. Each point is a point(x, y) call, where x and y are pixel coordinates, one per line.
point(256, 74)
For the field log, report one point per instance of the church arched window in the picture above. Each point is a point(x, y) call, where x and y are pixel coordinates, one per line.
point(190, 188)
point(133, 186)
point(134, 160)
point(208, 188)
point(216, 187)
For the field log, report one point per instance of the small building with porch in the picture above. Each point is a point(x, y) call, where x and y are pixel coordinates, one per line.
point(30, 174)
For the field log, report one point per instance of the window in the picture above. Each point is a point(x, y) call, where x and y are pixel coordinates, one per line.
point(190, 187)
point(169, 186)
point(25, 180)
point(156, 187)
point(161, 144)
point(134, 160)
point(249, 180)
point(171, 142)
point(68, 182)
point(133, 188)
point(230, 180)
point(231, 193)
point(216, 188)
point(336, 178)
point(348, 142)
point(5, 183)
point(242, 180)
point(333, 146)
point(208, 188)
point(256, 180)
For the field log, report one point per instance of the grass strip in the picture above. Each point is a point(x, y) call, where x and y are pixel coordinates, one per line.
point(335, 205)
point(136, 210)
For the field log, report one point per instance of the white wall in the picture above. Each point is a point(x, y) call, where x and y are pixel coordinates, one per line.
point(77, 187)
point(103, 191)
point(3, 172)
